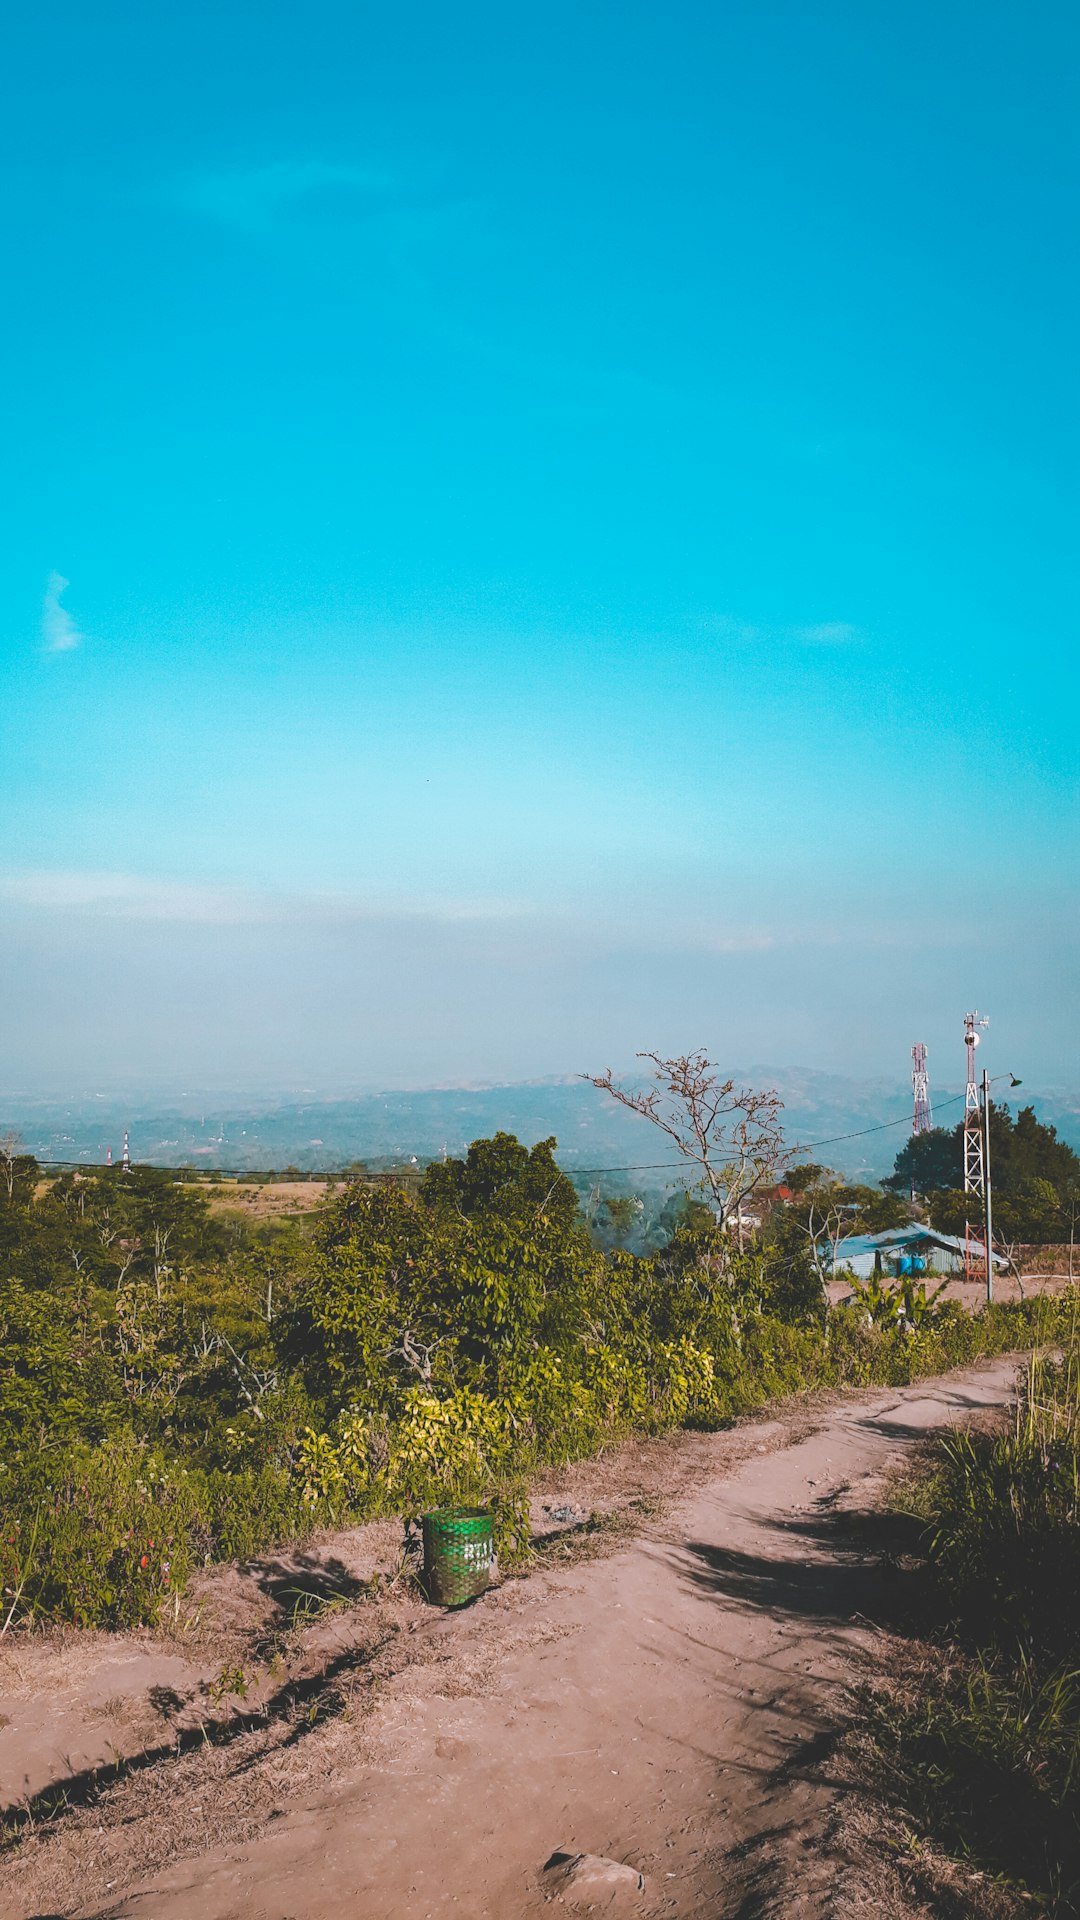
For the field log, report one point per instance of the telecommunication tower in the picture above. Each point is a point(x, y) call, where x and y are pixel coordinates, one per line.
point(974, 1163)
point(108, 1156)
point(125, 1164)
point(924, 1119)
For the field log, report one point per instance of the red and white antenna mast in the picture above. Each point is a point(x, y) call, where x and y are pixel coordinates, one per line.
point(923, 1119)
point(125, 1164)
point(974, 1165)
point(108, 1156)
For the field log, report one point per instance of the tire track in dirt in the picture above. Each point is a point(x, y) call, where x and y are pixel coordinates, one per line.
point(672, 1705)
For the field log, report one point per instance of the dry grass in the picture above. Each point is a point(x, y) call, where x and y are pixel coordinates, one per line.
point(272, 1200)
point(896, 1869)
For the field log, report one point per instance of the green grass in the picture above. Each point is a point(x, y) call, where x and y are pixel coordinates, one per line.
point(985, 1746)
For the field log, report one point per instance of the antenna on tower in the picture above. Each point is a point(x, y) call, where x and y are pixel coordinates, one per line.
point(923, 1119)
point(974, 1163)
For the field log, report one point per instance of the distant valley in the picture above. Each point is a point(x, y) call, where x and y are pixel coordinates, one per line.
point(316, 1132)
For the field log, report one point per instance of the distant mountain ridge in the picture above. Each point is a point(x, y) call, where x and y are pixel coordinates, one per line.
point(856, 1126)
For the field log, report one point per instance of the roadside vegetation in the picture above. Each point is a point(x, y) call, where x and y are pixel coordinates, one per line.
point(180, 1387)
point(980, 1734)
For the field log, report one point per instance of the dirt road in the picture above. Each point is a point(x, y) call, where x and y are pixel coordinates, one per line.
point(667, 1706)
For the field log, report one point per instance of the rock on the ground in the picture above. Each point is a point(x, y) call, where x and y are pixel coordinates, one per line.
point(588, 1880)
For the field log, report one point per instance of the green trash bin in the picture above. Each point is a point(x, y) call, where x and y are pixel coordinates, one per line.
point(459, 1550)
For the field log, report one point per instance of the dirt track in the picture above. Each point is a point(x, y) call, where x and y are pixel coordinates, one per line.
point(667, 1706)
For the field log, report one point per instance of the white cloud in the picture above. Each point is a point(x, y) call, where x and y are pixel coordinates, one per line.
point(125, 896)
point(128, 896)
point(58, 629)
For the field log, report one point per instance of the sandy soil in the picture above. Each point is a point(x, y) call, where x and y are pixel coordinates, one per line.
point(670, 1702)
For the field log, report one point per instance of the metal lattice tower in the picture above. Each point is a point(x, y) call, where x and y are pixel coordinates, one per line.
point(974, 1166)
point(125, 1164)
point(923, 1119)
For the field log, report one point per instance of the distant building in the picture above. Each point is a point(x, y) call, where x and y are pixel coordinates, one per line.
point(758, 1208)
point(903, 1250)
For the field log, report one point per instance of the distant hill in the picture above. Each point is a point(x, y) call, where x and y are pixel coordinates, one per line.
point(384, 1129)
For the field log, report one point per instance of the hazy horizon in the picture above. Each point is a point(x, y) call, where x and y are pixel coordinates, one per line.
point(534, 538)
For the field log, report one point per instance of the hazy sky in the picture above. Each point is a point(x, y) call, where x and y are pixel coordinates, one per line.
point(533, 533)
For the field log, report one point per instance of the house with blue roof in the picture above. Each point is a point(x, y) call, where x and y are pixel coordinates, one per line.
point(900, 1251)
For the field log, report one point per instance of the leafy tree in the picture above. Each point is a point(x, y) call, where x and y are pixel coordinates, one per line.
point(1028, 1149)
point(500, 1176)
point(808, 1174)
point(622, 1210)
point(1022, 1149)
point(929, 1162)
point(57, 1381)
point(869, 1210)
point(1034, 1176)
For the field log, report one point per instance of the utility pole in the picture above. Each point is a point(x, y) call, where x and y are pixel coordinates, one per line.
point(974, 1172)
point(922, 1119)
point(988, 1216)
point(973, 1132)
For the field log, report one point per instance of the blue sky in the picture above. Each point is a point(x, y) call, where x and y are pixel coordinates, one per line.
point(530, 535)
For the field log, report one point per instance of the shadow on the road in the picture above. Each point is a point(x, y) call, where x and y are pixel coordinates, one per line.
point(886, 1427)
point(305, 1583)
point(289, 1714)
point(816, 1572)
point(855, 1568)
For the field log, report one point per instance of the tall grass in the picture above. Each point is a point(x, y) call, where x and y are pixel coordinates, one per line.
point(990, 1757)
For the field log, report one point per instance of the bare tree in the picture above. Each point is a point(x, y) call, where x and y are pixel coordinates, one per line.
point(417, 1354)
point(10, 1153)
point(732, 1135)
point(824, 1231)
point(1011, 1250)
point(162, 1270)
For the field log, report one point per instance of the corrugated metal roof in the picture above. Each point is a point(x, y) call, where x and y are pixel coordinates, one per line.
point(854, 1244)
point(895, 1237)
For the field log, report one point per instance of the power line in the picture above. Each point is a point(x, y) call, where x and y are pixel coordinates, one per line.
point(648, 1166)
point(801, 1146)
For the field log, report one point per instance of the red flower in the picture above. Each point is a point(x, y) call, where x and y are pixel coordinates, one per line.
point(145, 1561)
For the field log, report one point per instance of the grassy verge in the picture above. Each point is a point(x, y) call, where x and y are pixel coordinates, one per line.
point(980, 1738)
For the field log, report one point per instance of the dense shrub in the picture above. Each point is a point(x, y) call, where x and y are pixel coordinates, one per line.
point(178, 1392)
point(55, 1380)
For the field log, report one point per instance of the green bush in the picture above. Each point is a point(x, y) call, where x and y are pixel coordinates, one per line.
point(176, 1391)
point(102, 1536)
point(105, 1536)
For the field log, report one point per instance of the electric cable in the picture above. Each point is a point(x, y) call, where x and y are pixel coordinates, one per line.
point(648, 1166)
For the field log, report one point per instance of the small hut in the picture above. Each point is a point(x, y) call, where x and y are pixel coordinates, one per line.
point(901, 1251)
